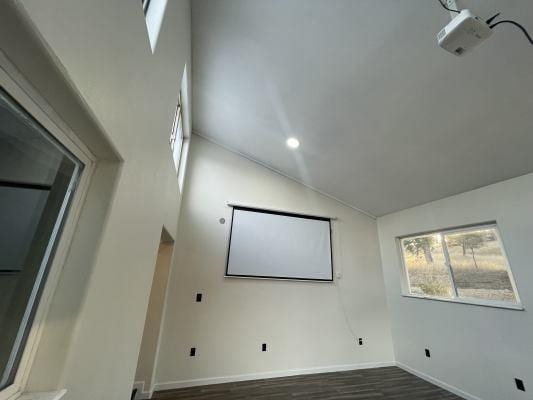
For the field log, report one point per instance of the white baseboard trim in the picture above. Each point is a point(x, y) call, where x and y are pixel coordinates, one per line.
point(438, 382)
point(141, 394)
point(57, 395)
point(266, 375)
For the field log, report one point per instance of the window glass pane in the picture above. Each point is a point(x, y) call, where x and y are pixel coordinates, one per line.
point(425, 264)
point(36, 180)
point(479, 265)
point(177, 138)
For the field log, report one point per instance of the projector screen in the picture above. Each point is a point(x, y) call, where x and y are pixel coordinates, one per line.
point(279, 245)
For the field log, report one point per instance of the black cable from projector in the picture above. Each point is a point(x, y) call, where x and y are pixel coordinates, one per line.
point(508, 21)
point(447, 8)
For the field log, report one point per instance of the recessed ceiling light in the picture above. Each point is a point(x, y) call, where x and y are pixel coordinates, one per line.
point(293, 143)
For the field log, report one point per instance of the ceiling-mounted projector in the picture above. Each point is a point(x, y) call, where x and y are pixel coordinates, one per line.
point(463, 33)
point(466, 30)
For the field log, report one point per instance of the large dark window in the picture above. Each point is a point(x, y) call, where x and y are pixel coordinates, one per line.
point(37, 179)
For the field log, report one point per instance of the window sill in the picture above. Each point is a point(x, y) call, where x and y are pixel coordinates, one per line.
point(43, 395)
point(492, 304)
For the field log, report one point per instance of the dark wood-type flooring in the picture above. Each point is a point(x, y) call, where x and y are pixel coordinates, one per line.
point(365, 384)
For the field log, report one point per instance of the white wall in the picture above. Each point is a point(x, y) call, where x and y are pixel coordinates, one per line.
point(479, 350)
point(92, 334)
point(302, 323)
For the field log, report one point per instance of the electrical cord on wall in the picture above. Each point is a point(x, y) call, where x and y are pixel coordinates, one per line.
point(491, 26)
point(338, 287)
point(344, 311)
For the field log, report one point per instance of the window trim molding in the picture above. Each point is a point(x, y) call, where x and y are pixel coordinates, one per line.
point(453, 229)
point(177, 135)
point(22, 91)
point(472, 302)
point(186, 130)
point(405, 283)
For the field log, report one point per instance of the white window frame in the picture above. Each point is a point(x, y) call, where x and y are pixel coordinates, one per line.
point(406, 287)
point(18, 88)
point(177, 134)
point(154, 13)
point(145, 4)
point(186, 128)
point(183, 128)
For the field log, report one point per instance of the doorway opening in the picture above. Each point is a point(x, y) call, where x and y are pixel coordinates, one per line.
point(145, 374)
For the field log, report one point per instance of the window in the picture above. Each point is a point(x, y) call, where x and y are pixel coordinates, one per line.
point(154, 13)
point(176, 134)
point(145, 4)
point(37, 181)
point(467, 264)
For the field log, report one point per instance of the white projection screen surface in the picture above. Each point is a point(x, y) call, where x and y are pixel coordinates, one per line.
point(278, 245)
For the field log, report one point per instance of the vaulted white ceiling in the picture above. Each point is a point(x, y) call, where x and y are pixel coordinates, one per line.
point(386, 119)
